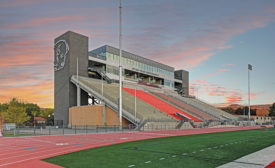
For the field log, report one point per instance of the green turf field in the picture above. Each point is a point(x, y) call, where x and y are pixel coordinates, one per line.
point(203, 151)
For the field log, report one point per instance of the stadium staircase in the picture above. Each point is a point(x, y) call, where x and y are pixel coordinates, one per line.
point(144, 111)
point(187, 108)
point(162, 105)
point(101, 74)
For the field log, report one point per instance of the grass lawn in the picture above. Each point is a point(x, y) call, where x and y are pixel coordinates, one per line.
point(203, 151)
point(16, 135)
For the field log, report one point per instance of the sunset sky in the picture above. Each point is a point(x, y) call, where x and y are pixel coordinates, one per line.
point(213, 39)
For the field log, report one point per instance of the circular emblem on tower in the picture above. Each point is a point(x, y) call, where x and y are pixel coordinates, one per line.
point(61, 49)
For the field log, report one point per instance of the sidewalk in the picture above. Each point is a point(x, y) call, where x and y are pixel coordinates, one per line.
point(258, 159)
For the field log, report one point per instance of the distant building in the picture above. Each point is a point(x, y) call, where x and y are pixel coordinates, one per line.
point(39, 121)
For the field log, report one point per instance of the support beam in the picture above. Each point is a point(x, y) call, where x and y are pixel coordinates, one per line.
point(104, 113)
point(78, 94)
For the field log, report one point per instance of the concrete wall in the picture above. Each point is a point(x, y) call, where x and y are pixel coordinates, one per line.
point(93, 115)
point(64, 90)
point(261, 119)
point(184, 76)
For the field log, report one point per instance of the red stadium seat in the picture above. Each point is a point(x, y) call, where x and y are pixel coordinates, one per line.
point(161, 105)
point(185, 106)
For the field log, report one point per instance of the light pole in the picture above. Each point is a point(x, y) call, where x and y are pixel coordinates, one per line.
point(120, 67)
point(135, 104)
point(249, 69)
point(77, 85)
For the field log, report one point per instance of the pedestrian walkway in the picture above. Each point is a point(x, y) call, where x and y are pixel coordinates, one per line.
point(258, 159)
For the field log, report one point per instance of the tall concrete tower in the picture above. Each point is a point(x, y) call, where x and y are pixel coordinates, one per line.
point(67, 48)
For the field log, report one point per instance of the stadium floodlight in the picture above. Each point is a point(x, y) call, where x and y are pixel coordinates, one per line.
point(249, 69)
point(135, 104)
point(120, 67)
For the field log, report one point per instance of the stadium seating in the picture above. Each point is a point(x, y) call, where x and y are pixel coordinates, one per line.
point(161, 105)
point(222, 115)
point(221, 112)
point(144, 111)
point(152, 106)
point(188, 108)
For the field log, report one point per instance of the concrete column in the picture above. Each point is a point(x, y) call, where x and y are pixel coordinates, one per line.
point(78, 95)
point(104, 113)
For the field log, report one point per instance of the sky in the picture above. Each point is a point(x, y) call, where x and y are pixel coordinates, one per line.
point(214, 40)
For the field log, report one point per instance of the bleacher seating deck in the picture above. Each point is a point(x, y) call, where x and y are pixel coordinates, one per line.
point(144, 111)
point(160, 104)
point(222, 115)
point(157, 105)
point(188, 108)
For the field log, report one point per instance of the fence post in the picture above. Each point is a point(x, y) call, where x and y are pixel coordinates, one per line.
point(75, 129)
point(34, 130)
point(49, 130)
point(63, 131)
point(96, 129)
point(86, 127)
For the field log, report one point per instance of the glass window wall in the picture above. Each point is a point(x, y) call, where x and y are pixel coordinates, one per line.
point(139, 65)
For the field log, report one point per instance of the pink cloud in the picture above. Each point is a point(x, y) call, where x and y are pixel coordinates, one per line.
point(17, 3)
point(194, 49)
point(41, 93)
point(223, 69)
point(39, 22)
point(226, 95)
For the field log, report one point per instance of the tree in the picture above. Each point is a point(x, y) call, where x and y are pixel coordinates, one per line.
point(272, 110)
point(16, 114)
point(47, 114)
point(3, 107)
point(32, 108)
point(229, 110)
point(239, 111)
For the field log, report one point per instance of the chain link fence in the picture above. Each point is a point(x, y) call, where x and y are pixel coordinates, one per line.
point(62, 130)
point(23, 130)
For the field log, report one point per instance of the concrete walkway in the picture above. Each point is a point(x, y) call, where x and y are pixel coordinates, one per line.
point(258, 159)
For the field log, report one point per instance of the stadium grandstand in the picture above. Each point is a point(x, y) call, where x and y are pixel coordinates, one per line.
point(153, 93)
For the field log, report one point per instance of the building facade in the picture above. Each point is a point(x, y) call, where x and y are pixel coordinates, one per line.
point(138, 69)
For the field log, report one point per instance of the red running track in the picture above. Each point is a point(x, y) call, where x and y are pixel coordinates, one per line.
point(25, 152)
point(271, 165)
